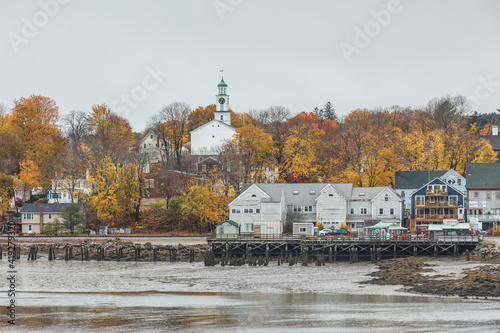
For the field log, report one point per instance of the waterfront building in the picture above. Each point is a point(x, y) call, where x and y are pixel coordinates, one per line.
point(436, 202)
point(483, 194)
point(263, 207)
point(36, 216)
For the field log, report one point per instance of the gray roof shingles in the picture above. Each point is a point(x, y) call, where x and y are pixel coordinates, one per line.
point(47, 208)
point(415, 179)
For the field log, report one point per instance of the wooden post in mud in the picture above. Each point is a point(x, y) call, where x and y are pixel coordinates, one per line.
point(330, 254)
point(455, 250)
point(18, 252)
point(155, 253)
point(286, 251)
point(394, 251)
point(435, 250)
point(415, 249)
point(372, 256)
point(304, 256)
point(379, 254)
point(468, 254)
point(1, 252)
point(335, 254)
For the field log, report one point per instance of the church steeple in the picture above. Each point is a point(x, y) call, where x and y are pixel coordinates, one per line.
point(222, 112)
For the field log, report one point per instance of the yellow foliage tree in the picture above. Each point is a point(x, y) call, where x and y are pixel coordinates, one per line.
point(30, 175)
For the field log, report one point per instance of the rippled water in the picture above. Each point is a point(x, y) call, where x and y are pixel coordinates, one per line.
point(241, 312)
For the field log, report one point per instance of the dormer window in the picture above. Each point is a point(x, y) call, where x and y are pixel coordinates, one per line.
point(386, 198)
point(295, 192)
point(254, 196)
point(330, 195)
point(151, 136)
point(313, 192)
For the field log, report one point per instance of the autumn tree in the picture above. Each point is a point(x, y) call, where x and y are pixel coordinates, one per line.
point(200, 116)
point(253, 149)
point(30, 176)
point(6, 193)
point(12, 150)
point(204, 207)
point(172, 124)
point(34, 120)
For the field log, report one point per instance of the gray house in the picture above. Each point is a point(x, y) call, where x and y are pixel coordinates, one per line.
point(267, 206)
point(483, 194)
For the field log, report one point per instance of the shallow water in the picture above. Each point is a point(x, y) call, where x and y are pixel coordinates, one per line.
point(241, 312)
point(75, 296)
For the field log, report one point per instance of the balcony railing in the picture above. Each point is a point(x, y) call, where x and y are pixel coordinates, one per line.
point(436, 216)
point(437, 203)
point(436, 192)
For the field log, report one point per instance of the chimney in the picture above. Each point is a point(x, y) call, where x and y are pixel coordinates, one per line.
point(494, 130)
point(41, 219)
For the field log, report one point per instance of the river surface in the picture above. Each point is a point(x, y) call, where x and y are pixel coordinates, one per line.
point(241, 312)
point(60, 296)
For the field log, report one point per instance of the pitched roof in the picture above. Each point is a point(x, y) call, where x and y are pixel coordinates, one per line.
point(214, 121)
point(47, 208)
point(483, 175)
point(231, 222)
point(494, 141)
point(415, 179)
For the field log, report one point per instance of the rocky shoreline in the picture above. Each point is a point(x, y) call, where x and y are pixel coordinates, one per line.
point(418, 275)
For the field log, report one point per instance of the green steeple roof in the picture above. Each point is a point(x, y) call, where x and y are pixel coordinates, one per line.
point(222, 83)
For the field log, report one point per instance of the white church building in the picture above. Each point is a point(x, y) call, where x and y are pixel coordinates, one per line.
point(208, 139)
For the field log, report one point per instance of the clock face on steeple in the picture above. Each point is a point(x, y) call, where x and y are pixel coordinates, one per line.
point(222, 100)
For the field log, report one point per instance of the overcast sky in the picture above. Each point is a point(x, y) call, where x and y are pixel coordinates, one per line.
point(138, 56)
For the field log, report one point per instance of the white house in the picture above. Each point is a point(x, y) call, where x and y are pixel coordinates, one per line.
point(153, 145)
point(209, 138)
point(330, 204)
point(67, 190)
point(36, 216)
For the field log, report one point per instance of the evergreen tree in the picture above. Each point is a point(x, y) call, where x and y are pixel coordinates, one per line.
point(319, 113)
point(71, 216)
point(329, 112)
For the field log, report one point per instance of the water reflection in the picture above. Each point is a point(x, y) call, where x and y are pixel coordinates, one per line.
point(210, 312)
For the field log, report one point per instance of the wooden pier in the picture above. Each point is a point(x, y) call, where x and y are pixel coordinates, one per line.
point(340, 248)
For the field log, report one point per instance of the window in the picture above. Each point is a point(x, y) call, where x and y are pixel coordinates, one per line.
point(28, 216)
point(204, 167)
point(352, 211)
point(313, 192)
point(145, 145)
point(233, 210)
point(403, 194)
point(381, 211)
point(151, 136)
point(30, 228)
point(363, 211)
point(257, 210)
point(213, 136)
point(419, 200)
point(302, 229)
point(250, 211)
point(459, 181)
point(200, 159)
point(245, 210)
point(330, 195)
point(498, 195)
point(386, 198)
point(392, 211)
point(254, 195)
point(50, 216)
point(221, 117)
point(297, 209)
point(361, 194)
point(308, 208)
point(296, 192)
point(488, 195)
point(476, 195)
